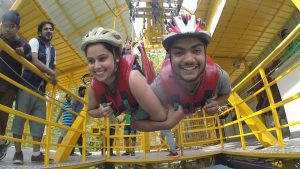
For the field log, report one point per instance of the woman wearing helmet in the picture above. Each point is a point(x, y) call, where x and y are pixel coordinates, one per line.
point(188, 77)
point(117, 85)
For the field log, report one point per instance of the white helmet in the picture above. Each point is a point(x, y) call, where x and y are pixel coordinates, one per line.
point(99, 34)
point(184, 26)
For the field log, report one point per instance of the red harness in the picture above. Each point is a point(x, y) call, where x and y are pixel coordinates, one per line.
point(176, 94)
point(121, 98)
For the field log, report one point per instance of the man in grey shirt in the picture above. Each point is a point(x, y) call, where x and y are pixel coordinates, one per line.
point(189, 79)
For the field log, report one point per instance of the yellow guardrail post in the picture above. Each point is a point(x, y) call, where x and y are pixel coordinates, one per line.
point(144, 145)
point(107, 136)
point(49, 125)
point(63, 152)
point(205, 123)
point(254, 123)
point(273, 109)
point(220, 131)
point(117, 139)
point(241, 128)
point(238, 116)
point(147, 142)
point(83, 149)
point(180, 137)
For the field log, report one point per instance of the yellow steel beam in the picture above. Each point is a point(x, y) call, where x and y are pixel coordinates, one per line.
point(74, 69)
point(114, 23)
point(121, 17)
point(215, 11)
point(254, 123)
point(62, 153)
point(95, 21)
point(68, 17)
point(98, 19)
point(296, 3)
point(120, 9)
point(16, 5)
point(71, 82)
point(111, 10)
point(48, 129)
point(273, 109)
point(294, 34)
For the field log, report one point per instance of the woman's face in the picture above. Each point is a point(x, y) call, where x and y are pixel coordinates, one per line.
point(101, 63)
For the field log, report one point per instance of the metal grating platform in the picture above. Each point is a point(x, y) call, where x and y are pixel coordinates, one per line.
point(291, 150)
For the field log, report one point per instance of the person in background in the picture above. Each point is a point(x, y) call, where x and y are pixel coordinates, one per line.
point(129, 141)
point(77, 106)
point(10, 68)
point(44, 58)
point(67, 117)
point(170, 140)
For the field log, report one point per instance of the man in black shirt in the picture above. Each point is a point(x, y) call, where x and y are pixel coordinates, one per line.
point(10, 68)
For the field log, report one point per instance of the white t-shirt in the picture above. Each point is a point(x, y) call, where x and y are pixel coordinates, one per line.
point(34, 44)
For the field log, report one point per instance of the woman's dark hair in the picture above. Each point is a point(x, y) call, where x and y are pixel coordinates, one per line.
point(284, 33)
point(112, 49)
point(81, 88)
point(12, 16)
point(42, 24)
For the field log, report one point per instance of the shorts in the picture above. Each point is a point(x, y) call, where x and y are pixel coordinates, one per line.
point(31, 105)
point(7, 97)
point(129, 131)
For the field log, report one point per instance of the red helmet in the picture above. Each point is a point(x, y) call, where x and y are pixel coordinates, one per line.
point(184, 26)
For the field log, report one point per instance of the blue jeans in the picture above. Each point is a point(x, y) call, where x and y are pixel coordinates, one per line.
point(170, 140)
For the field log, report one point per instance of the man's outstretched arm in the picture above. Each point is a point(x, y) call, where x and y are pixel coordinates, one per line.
point(173, 118)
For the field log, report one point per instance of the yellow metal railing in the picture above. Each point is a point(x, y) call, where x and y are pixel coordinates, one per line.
point(239, 105)
point(51, 103)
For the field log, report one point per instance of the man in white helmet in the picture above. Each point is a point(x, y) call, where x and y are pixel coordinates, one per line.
point(188, 76)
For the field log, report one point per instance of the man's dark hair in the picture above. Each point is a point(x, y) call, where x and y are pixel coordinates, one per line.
point(284, 33)
point(81, 88)
point(42, 24)
point(12, 16)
